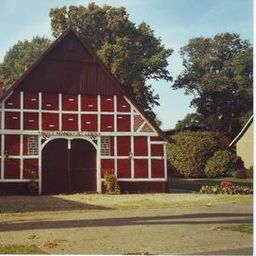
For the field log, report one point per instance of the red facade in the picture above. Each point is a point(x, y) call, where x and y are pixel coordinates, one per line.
point(74, 100)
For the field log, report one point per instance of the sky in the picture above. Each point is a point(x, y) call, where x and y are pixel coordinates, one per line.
point(174, 21)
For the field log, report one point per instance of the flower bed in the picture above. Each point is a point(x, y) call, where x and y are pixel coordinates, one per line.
point(227, 188)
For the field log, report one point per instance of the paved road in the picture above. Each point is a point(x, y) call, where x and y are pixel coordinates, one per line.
point(179, 230)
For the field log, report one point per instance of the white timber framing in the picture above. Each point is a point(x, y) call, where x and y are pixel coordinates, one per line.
point(115, 135)
point(21, 136)
point(2, 140)
point(79, 113)
point(133, 111)
point(60, 111)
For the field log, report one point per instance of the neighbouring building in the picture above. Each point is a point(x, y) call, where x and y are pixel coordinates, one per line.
point(244, 143)
point(67, 120)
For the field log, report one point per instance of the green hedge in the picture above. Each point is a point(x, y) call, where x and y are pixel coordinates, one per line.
point(223, 164)
point(188, 152)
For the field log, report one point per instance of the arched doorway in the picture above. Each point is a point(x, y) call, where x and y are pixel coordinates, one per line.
point(68, 166)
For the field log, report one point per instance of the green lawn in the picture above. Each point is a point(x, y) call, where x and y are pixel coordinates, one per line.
point(194, 185)
point(244, 228)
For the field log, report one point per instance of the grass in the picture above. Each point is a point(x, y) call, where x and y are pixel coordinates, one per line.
point(20, 249)
point(244, 228)
point(194, 185)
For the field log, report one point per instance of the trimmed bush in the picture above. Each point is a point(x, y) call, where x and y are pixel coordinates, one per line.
point(223, 164)
point(189, 151)
point(250, 172)
point(241, 174)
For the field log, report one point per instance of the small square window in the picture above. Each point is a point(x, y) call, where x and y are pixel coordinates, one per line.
point(33, 145)
point(105, 146)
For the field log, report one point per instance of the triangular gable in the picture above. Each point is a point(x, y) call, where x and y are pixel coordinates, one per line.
point(69, 66)
point(242, 132)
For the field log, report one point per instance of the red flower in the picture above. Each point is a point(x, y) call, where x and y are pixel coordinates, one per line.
point(226, 184)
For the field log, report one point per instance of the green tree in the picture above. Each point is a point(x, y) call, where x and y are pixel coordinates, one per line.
point(132, 53)
point(19, 57)
point(191, 120)
point(219, 74)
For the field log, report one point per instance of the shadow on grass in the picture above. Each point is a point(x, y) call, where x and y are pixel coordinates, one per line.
point(22, 204)
point(189, 219)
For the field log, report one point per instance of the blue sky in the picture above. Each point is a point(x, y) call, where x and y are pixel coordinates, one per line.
point(175, 21)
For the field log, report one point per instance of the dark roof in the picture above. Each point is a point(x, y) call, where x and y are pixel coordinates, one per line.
point(242, 132)
point(121, 87)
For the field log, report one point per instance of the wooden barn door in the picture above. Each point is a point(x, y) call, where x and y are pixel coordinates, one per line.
point(82, 166)
point(55, 167)
point(68, 168)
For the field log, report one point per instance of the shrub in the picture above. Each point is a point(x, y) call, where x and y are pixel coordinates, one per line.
point(32, 184)
point(241, 174)
point(188, 152)
point(250, 172)
point(222, 164)
point(110, 182)
point(172, 172)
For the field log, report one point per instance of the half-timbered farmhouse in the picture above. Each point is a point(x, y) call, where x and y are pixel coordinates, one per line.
point(67, 120)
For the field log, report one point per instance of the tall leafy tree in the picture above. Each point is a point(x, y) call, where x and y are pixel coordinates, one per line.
point(191, 121)
point(132, 53)
point(19, 57)
point(219, 74)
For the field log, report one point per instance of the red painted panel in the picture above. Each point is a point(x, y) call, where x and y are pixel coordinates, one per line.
point(70, 102)
point(12, 120)
point(140, 146)
point(112, 146)
point(50, 121)
point(140, 168)
point(12, 144)
point(31, 100)
point(106, 164)
point(157, 150)
point(50, 101)
point(69, 122)
point(30, 168)
point(89, 123)
point(107, 123)
point(107, 103)
point(12, 169)
point(123, 123)
point(157, 168)
point(31, 121)
point(25, 145)
point(122, 105)
point(123, 145)
point(123, 168)
point(88, 103)
point(13, 101)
